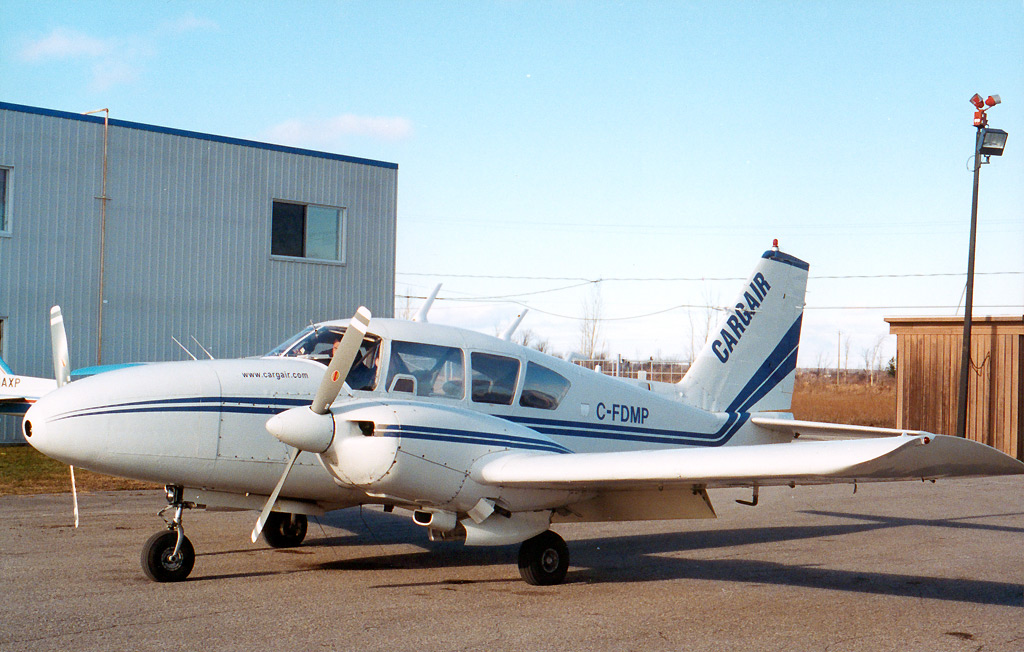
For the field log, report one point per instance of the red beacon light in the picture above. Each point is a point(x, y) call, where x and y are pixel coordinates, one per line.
point(980, 116)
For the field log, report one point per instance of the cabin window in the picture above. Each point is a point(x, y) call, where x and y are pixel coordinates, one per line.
point(543, 389)
point(494, 378)
point(317, 343)
point(308, 231)
point(426, 370)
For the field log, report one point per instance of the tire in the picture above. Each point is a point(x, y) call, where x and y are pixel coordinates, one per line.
point(156, 557)
point(284, 530)
point(544, 559)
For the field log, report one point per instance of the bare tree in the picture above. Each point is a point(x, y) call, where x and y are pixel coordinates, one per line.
point(846, 357)
point(529, 339)
point(873, 359)
point(591, 344)
point(822, 363)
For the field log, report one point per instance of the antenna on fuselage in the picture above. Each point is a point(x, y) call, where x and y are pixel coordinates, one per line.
point(507, 335)
point(208, 354)
point(421, 316)
point(183, 347)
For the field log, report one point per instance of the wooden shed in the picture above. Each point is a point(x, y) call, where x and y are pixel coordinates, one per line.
point(928, 352)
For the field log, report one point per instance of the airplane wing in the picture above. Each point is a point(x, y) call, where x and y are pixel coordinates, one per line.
point(904, 457)
point(17, 393)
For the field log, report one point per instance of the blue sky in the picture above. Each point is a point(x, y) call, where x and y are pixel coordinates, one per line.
point(549, 144)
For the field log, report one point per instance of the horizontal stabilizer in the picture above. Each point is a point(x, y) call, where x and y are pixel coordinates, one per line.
point(903, 457)
point(808, 430)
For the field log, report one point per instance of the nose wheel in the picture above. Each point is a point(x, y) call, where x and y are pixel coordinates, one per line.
point(168, 556)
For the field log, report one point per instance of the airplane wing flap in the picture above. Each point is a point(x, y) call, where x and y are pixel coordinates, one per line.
point(811, 462)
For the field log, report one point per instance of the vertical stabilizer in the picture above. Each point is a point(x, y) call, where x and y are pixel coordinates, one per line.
point(749, 361)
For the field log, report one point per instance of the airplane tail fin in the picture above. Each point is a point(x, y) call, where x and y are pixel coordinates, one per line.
point(749, 361)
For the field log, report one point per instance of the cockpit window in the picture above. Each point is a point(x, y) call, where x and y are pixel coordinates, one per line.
point(494, 378)
point(543, 389)
point(317, 343)
point(426, 370)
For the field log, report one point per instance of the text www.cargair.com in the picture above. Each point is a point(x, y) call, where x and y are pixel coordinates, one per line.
point(275, 375)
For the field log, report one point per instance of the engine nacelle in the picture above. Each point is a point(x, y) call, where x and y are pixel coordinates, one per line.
point(424, 454)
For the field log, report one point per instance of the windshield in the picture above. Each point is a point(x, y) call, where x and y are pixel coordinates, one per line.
point(317, 343)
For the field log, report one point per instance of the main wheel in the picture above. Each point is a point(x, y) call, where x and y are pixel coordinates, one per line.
point(159, 562)
point(284, 530)
point(544, 559)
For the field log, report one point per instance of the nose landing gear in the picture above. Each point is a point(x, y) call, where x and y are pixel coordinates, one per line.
point(168, 556)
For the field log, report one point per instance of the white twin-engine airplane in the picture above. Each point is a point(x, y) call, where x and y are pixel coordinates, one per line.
point(483, 440)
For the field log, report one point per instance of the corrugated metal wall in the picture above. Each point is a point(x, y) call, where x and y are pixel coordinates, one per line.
point(928, 352)
point(187, 245)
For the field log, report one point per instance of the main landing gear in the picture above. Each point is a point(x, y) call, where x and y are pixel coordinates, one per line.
point(544, 559)
point(284, 530)
point(168, 556)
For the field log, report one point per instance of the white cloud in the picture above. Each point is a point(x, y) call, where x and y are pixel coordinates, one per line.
point(326, 132)
point(189, 23)
point(64, 43)
point(113, 61)
point(109, 73)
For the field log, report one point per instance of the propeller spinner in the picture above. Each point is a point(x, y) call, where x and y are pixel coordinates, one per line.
point(312, 428)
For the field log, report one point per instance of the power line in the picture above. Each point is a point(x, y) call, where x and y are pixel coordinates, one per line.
point(694, 306)
point(643, 279)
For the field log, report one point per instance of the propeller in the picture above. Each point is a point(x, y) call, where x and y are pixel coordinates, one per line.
point(62, 372)
point(59, 340)
point(312, 428)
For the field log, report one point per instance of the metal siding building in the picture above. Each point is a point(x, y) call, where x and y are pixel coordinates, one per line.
point(186, 247)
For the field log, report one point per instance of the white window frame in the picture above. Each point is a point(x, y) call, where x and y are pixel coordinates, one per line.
point(342, 233)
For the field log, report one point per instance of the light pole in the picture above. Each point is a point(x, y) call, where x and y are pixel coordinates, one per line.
point(987, 142)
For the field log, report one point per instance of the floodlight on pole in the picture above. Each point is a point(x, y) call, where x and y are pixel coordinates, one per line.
point(988, 142)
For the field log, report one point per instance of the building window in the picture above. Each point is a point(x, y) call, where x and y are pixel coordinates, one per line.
point(4, 212)
point(308, 231)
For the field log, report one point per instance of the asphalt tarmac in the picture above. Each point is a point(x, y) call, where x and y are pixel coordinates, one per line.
point(900, 566)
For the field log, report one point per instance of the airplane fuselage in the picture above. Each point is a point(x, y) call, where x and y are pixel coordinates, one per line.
point(202, 423)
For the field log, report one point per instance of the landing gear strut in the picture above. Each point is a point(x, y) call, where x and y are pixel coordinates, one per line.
point(544, 559)
point(168, 556)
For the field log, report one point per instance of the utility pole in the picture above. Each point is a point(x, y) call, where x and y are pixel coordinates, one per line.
point(987, 142)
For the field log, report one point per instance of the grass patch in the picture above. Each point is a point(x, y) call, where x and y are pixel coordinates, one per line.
point(856, 403)
point(24, 470)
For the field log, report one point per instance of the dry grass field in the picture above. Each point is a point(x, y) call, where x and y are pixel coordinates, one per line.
point(855, 401)
point(25, 471)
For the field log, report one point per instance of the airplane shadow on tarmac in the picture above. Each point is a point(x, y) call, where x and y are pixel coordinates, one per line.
point(638, 558)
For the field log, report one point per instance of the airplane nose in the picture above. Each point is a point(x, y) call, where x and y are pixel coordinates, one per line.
point(34, 428)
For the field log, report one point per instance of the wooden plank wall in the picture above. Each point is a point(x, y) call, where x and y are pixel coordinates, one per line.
point(928, 377)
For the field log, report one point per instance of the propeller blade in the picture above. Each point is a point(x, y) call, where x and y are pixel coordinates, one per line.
point(269, 507)
point(59, 341)
point(341, 363)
